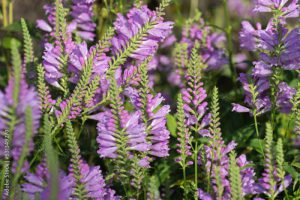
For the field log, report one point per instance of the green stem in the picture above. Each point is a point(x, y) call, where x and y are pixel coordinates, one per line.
point(193, 7)
point(10, 14)
point(24, 152)
point(228, 31)
point(86, 110)
point(184, 181)
point(4, 12)
point(288, 125)
point(196, 164)
point(257, 132)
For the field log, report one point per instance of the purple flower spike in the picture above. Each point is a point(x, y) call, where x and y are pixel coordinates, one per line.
point(288, 8)
point(263, 185)
point(52, 63)
point(107, 130)
point(249, 36)
point(195, 103)
point(27, 97)
point(213, 56)
point(127, 27)
point(284, 97)
point(106, 137)
point(263, 102)
point(247, 175)
point(37, 184)
point(92, 179)
point(239, 108)
point(77, 60)
point(82, 13)
point(159, 133)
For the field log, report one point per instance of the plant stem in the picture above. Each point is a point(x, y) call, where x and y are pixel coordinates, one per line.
point(193, 7)
point(196, 166)
point(10, 13)
point(184, 181)
point(4, 12)
point(257, 132)
point(228, 31)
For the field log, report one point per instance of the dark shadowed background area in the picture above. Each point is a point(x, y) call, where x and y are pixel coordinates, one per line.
point(28, 9)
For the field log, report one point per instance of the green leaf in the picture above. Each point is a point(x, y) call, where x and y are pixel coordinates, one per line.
point(291, 170)
point(7, 41)
point(171, 124)
point(51, 159)
point(255, 144)
point(297, 165)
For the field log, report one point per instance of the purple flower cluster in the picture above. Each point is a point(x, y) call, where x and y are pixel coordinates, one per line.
point(240, 7)
point(38, 184)
point(212, 55)
point(131, 124)
point(108, 131)
point(285, 8)
point(154, 140)
point(159, 133)
point(221, 156)
point(81, 14)
point(278, 49)
point(47, 26)
point(195, 106)
point(113, 83)
point(129, 26)
point(284, 97)
point(263, 186)
point(12, 114)
point(262, 103)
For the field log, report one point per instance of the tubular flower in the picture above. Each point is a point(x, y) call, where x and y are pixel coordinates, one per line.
point(127, 27)
point(284, 97)
point(77, 59)
point(278, 47)
point(249, 36)
point(241, 8)
point(213, 56)
point(264, 186)
point(36, 184)
point(282, 48)
point(27, 97)
point(52, 63)
point(47, 26)
point(263, 102)
point(55, 60)
point(92, 179)
point(74, 111)
point(212, 156)
point(108, 138)
point(82, 14)
point(195, 106)
point(223, 159)
point(77, 56)
point(247, 175)
point(159, 133)
point(286, 8)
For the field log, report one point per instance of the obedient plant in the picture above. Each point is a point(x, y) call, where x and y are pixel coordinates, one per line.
point(277, 52)
point(122, 100)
